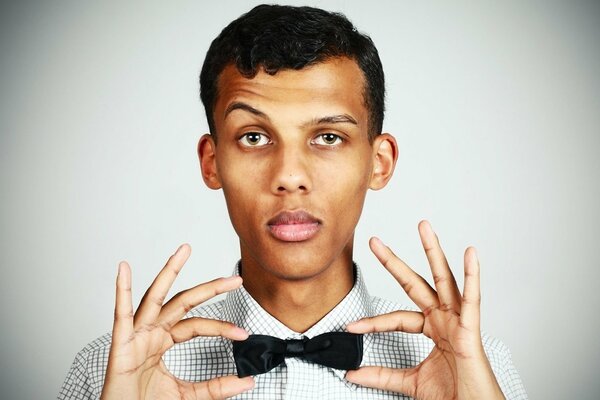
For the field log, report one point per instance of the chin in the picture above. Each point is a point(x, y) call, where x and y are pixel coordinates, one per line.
point(299, 263)
point(295, 263)
point(301, 260)
point(298, 267)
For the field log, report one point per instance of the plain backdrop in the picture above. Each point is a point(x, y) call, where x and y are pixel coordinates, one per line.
point(495, 106)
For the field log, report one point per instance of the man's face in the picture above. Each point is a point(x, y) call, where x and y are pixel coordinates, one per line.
point(294, 161)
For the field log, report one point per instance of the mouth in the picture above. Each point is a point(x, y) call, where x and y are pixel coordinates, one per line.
point(294, 226)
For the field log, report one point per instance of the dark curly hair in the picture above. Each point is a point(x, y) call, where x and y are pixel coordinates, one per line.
point(275, 37)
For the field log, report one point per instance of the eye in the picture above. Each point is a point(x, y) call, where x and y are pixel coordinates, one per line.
point(327, 139)
point(254, 139)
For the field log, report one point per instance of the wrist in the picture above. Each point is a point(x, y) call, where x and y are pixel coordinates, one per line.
point(476, 379)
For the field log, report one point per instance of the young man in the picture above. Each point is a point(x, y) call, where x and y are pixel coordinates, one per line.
point(294, 99)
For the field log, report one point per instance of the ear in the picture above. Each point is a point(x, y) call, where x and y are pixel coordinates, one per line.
point(385, 154)
point(208, 161)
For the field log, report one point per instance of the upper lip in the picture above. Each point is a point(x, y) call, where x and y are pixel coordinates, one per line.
point(292, 218)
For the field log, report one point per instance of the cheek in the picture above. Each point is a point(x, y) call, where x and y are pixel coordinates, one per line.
point(345, 193)
point(241, 187)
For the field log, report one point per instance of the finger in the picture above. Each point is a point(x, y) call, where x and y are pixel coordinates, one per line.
point(191, 327)
point(447, 290)
point(397, 321)
point(413, 284)
point(391, 379)
point(154, 297)
point(123, 324)
point(183, 302)
point(219, 388)
point(471, 299)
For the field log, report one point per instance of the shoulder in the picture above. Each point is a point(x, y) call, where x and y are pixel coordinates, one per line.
point(86, 375)
point(505, 371)
point(95, 354)
point(497, 352)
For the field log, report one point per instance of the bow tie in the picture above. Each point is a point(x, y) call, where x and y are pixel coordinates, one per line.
point(261, 353)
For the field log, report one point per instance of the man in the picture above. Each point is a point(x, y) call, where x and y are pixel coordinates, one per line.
point(294, 100)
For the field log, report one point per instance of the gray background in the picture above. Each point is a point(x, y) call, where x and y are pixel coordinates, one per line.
point(495, 106)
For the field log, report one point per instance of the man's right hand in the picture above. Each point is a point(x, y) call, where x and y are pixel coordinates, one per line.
point(135, 366)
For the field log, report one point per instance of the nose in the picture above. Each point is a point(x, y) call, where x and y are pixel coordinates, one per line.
point(291, 172)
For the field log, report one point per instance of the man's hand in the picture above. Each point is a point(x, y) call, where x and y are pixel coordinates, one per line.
point(457, 367)
point(135, 366)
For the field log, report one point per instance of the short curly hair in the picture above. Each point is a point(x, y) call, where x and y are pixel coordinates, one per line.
point(274, 37)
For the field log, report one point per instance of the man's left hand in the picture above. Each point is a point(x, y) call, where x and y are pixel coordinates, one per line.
point(457, 367)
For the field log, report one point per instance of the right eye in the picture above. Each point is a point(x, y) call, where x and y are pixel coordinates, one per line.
point(254, 139)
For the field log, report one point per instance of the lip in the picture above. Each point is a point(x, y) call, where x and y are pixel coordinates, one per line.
point(294, 226)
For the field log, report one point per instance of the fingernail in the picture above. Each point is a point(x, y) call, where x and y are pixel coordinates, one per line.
point(354, 325)
point(241, 333)
point(378, 241)
point(249, 381)
point(428, 227)
point(120, 268)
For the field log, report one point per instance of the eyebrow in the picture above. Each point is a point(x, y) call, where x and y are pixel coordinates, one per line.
point(330, 119)
point(333, 119)
point(238, 105)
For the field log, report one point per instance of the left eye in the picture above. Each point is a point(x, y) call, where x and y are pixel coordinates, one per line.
point(328, 139)
point(254, 139)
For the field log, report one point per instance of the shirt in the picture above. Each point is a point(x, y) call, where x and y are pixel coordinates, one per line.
point(203, 358)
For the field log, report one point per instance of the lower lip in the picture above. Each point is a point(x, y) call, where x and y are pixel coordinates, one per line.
point(294, 232)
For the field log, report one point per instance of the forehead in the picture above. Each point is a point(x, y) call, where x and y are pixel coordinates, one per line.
point(336, 85)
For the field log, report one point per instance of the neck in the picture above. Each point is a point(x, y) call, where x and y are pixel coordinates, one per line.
point(299, 302)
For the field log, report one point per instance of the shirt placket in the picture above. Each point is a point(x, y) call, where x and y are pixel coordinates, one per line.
point(300, 380)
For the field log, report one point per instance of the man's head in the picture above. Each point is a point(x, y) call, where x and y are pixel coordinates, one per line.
point(273, 37)
point(294, 156)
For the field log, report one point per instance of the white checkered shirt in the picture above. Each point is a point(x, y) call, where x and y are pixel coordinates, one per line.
point(207, 357)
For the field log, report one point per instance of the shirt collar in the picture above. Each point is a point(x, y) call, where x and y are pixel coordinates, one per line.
point(240, 308)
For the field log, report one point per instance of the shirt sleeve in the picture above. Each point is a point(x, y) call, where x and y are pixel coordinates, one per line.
point(506, 374)
point(86, 375)
point(77, 385)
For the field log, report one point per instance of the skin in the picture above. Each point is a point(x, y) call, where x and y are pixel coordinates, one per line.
point(135, 367)
point(297, 140)
point(457, 367)
point(292, 168)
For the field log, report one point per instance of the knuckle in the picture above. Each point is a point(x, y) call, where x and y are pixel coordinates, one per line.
point(157, 299)
point(472, 300)
point(121, 315)
point(214, 388)
point(400, 326)
point(213, 287)
point(385, 377)
point(185, 305)
point(174, 271)
point(408, 287)
point(470, 274)
point(224, 326)
point(124, 287)
point(437, 279)
point(428, 311)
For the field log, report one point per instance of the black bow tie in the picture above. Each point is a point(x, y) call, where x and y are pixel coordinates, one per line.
point(261, 353)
